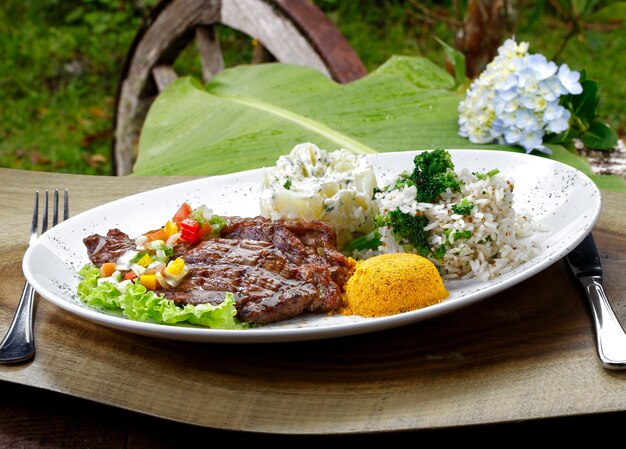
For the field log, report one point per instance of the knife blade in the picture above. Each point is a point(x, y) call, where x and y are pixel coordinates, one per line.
point(584, 261)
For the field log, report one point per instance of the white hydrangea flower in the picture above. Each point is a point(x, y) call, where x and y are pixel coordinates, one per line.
point(516, 99)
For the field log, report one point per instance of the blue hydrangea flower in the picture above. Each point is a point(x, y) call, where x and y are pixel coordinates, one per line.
point(569, 80)
point(515, 100)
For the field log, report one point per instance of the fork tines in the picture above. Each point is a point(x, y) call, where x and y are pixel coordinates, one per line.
point(55, 208)
point(18, 344)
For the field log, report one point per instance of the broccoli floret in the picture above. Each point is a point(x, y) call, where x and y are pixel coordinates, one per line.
point(440, 252)
point(464, 207)
point(409, 228)
point(403, 179)
point(433, 174)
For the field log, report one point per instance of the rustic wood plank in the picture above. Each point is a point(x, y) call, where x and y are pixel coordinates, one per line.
point(527, 353)
point(32, 418)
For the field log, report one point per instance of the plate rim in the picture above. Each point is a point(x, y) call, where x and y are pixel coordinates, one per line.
point(292, 334)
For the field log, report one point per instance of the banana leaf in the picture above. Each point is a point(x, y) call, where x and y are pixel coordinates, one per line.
point(249, 115)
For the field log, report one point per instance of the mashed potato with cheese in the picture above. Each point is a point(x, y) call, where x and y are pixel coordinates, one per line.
point(313, 184)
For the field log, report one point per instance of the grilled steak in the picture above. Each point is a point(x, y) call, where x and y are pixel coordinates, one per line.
point(109, 248)
point(276, 269)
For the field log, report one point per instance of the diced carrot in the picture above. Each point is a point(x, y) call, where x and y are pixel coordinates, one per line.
point(159, 234)
point(149, 281)
point(183, 212)
point(205, 230)
point(107, 269)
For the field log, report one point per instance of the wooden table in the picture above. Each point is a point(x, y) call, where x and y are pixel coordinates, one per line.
point(523, 359)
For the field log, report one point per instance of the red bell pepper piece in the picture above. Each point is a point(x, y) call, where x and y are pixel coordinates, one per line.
point(189, 230)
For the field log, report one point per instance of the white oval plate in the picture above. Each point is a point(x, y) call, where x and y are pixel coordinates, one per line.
point(562, 198)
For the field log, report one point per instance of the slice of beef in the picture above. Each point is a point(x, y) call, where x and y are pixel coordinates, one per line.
point(302, 241)
point(276, 269)
point(109, 248)
point(267, 286)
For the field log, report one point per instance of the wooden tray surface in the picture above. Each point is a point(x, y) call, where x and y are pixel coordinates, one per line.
point(526, 353)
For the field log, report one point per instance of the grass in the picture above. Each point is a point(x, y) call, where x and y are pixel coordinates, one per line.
point(59, 69)
point(61, 63)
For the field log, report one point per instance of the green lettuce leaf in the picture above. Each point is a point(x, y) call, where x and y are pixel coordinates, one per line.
point(140, 304)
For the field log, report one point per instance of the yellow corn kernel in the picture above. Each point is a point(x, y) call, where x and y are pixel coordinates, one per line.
point(175, 267)
point(171, 228)
point(145, 260)
point(149, 281)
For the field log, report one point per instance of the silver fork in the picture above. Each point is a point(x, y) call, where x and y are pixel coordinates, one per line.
point(18, 344)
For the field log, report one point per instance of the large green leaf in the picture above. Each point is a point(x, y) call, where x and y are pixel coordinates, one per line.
point(249, 115)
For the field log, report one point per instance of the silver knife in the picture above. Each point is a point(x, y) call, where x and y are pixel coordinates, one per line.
point(610, 336)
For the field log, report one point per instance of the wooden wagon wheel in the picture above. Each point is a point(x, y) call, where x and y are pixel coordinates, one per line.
point(289, 31)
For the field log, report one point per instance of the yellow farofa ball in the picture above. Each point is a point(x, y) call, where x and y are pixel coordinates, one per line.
point(392, 283)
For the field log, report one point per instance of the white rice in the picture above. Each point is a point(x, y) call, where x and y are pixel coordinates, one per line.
point(500, 235)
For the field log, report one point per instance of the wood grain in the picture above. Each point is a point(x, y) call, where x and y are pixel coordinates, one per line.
point(525, 354)
point(32, 418)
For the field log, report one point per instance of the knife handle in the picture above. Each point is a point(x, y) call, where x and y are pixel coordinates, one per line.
point(610, 336)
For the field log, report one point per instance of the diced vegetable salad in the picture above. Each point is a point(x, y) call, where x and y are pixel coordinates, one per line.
point(130, 284)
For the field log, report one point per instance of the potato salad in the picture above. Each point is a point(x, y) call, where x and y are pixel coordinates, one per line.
point(313, 184)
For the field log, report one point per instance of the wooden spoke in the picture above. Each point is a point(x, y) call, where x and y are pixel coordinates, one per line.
point(210, 51)
point(163, 75)
point(289, 31)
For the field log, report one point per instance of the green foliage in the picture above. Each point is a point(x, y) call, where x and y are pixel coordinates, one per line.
point(582, 33)
point(584, 122)
point(62, 58)
point(58, 76)
point(599, 136)
point(612, 12)
point(457, 61)
point(419, 72)
point(590, 36)
point(283, 105)
point(222, 128)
